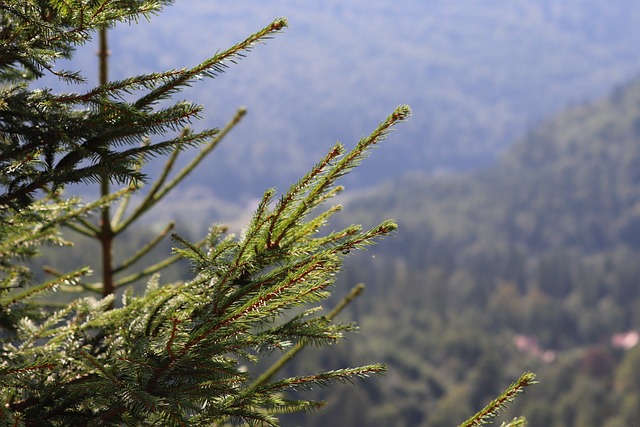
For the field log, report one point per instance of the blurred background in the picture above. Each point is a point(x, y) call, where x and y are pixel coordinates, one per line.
point(516, 185)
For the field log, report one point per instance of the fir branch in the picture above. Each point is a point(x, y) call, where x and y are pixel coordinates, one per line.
point(499, 404)
point(289, 355)
point(159, 190)
point(240, 113)
point(66, 279)
point(145, 249)
point(327, 177)
point(516, 422)
point(212, 66)
point(323, 379)
point(146, 272)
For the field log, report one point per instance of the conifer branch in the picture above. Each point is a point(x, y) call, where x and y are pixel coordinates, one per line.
point(49, 223)
point(84, 227)
point(212, 66)
point(80, 286)
point(133, 185)
point(323, 379)
point(295, 192)
point(88, 207)
point(116, 89)
point(289, 355)
point(499, 404)
point(152, 269)
point(312, 190)
point(147, 271)
point(166, 170)
point(240, 113)
point(145, 249)
point(516, 422)
point(159, 190)
point(65, 279)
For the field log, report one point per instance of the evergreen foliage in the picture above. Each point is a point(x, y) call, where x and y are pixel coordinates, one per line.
point(176, 354)
point(181, 353)
point(499, 404)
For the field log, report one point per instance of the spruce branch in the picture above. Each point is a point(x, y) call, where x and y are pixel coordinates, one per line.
point(65, 213)
point(64, 279)
point(115, 89)
point(204, 151)
point(155, 268)
point(295, 192)
point(289, 355)
point(310, 191)
point(323, 379)
point(145, 249)
point(146, 272)
point(80, 286)
point(500, 403)
point(212, 66)
point(83, 226)
point(134, 185)
point(516, 422)
point(159, 190)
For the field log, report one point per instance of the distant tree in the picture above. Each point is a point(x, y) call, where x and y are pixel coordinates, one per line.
point(180, 353)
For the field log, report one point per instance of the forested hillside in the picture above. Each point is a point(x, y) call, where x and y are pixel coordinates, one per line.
point(529, 265)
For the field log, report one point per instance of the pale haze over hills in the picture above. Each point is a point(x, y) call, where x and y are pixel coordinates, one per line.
point(477, 75)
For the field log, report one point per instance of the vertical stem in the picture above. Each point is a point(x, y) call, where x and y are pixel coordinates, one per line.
point(106, 232)
point(103, 54)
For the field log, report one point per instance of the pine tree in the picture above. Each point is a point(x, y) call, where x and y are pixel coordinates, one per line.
point(180, 353)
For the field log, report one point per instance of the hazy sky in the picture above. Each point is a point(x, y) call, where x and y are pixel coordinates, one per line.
point(477, 74)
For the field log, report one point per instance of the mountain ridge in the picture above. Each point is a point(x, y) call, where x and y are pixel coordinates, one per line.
point(579, 171)
point(477, 75)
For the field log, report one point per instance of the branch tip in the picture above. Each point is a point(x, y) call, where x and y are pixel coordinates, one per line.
point(403, 112)
point(279, 24)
